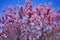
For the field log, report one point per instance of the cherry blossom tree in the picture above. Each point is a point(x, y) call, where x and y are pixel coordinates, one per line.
point(27, 23)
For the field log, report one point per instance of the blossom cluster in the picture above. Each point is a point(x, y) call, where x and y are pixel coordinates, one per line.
point(27, 23)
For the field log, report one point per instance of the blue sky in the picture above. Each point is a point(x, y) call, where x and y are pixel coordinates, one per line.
point(55, 4)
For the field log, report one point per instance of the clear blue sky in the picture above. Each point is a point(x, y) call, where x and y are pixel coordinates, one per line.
point(56, 3)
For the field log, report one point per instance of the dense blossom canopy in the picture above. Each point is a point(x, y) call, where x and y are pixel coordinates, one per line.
point(27, 23)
